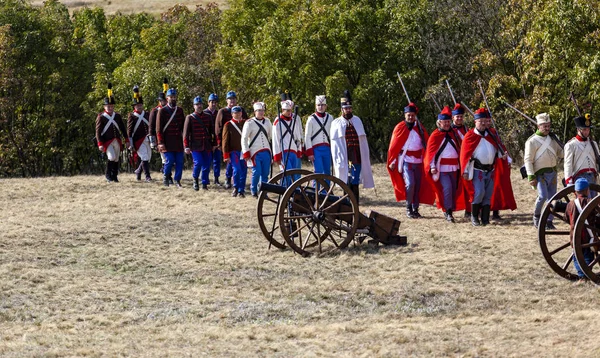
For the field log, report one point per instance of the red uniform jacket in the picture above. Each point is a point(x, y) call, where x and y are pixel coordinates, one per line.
point(399, 137)
point(433, 146)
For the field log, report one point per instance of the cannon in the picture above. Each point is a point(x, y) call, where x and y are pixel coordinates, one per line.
point(556, 246)
point(318, 213)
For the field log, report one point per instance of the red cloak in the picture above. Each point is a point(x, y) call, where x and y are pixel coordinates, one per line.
point(433, 146)
point(502, 197)
point(399, 137)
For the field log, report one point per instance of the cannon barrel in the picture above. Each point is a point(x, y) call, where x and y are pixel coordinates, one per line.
point(271, 188)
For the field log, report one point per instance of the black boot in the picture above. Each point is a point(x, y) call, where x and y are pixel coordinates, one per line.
point(475, 214)
point(496, 215)
point(138, 171)
point(227, 183)
point(467, 214)
point(485, 215)
point(108, 174)
point(409, 211)
point(196, 186)
point(166, 180)
point(146, 167)
point(217, 182)
point(355, 189)
point(170, 176)
point(115, 172)
point(449, 216)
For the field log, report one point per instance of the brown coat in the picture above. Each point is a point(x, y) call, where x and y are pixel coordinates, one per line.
point(232, 139)
point(172, 137)
point(113, 132)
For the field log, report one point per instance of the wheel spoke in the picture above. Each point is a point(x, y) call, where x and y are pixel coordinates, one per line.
point(327, 195)
point(340, 214)
point(592, 228)
point(558, 215)
point(294, 217)
point(560, 248)
point(336, 202)
point(568, 262)
point(299, 207)
point(333, 240)
point(590, 244)
point(310, 203)
point(297, 230)
point(594, 262)
point(558, 232)
point(268, 215)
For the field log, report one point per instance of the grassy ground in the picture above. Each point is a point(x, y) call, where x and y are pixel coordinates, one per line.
point(132, 6)
point(95, 269)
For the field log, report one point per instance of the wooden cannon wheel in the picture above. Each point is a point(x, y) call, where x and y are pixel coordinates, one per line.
point(316, 224)
point(587, 221)
point(267, 206)
point(555, 244)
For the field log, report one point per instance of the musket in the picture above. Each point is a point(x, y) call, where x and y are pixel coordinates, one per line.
point(552, 135)
point(454, 99)
point(420, 129)
point(436, 103)
point(491, 116)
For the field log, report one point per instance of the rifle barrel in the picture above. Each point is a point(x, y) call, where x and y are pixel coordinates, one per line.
point(404, 88)
point(521, 113)
point(451, 94)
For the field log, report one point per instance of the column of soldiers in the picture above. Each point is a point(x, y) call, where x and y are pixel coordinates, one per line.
point(213, 135)
point(455, 167)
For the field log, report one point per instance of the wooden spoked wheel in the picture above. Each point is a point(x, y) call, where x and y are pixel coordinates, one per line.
point(267, 206)
point(588, 221)
point(555, 243)
point(318, 214)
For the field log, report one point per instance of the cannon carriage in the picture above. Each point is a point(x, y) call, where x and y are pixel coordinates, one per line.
point(556, 245)
point(318, 213)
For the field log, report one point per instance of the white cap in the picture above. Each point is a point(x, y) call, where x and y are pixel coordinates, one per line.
point(259, 105)
point(321, 99)
point(542, 118)
point(287, 104)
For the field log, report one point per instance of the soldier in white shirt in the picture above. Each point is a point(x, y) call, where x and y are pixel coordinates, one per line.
point(287, 138)
point(541, 157)
point(316, 137)
point(256, 146)
point(580, 154)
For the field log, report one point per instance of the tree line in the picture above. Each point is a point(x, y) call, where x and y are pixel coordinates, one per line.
point(54, 66)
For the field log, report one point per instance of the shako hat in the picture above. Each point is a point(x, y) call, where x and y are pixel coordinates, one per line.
point(109, 99)
point(137, 97)
point(482, 113)
point(346, 100)
point(197, 100)
point(411, 108)
point(213, 97)
point(583, 121)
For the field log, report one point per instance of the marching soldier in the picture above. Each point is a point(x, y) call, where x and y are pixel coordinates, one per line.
point(460, 129)
point(212, 110)
point(405, 162)
point(224, 116)
point(137, 131)
point(232, 151)
point(287, 137)
point(350, 149)
point(581, 153)
point(442, 165)
point(169, 131)
point(541, 157)
point(256, 146)
point(316, 139)
point(109, 130)
point(162, 101)
point(479, 151)
point(198, 140)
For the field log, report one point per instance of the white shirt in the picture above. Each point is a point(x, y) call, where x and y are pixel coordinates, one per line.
point(413, 143)
point(485, 151)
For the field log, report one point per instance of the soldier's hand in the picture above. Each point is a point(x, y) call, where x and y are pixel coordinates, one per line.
point(504, 156)
point(161, 148)
point(188, 150)
point(466, 176)
point(226, 160)
point(392, 166)
point(101, 148)
point(434, 171)
point(533, 182)
point(311, 158)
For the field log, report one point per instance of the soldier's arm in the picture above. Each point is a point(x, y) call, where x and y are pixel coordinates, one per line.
point(218, 127)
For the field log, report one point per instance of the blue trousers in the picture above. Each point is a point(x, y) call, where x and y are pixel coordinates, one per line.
point(202, 161)
point(322, 160)
point(588, 256)
point(483, 183)
point(354, 177)
point(240, 171)
point(546, 188)
point(448, 181)
point(260, 170)
point(412, 174)
point(291, 162)
point(176, 159)
point(591, 178)
point(217, 158)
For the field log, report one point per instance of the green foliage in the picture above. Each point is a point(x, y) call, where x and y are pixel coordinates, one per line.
point(54, 67)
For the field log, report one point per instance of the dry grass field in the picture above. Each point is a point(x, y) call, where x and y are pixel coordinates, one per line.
point(132, 6)
point(133, 269)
